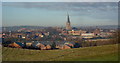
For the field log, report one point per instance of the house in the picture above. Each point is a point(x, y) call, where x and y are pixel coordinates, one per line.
point(38, 45)
point(63, 47)
point(42, 46)
point(66, 47)
point(16, 45)
point(28, 43)
point(48, 47)
point(59, 46)
point(35, 45)
point(69, 44)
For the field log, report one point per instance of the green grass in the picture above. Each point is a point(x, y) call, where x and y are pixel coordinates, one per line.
point(98, 53)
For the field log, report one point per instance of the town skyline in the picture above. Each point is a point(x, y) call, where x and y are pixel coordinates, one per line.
point(54, 14)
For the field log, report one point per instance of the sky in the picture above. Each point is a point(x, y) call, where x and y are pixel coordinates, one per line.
point(0, 14)
point(60, 0)
point(55, 13)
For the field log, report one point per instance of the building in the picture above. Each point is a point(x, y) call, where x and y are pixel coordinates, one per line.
point(87, 35)
point(63, 47)
point(35, 45)
point(68, 24)
point(69, 44)
point(97, 31)
point(16, 45)
point(48, 47)
point(73, 32)
point(69, 30)
point(28, 44)
point(42, 46)
point(76, 32)
point(66, 47)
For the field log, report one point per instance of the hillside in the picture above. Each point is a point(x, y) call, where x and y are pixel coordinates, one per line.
point(98, 53)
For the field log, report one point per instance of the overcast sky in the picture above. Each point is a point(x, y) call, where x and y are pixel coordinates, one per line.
point(60, 0)
point(54, 13)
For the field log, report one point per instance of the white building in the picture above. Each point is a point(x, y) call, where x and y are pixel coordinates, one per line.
point(87, 35)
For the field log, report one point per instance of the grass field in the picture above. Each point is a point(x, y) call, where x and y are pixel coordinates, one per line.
point(98, 53)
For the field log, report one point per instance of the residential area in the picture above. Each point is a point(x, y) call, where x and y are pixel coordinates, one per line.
point(47, 38)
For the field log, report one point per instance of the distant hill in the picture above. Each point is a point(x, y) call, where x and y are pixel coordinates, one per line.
point(97, 53)
point(14, 28)
point(101, 27)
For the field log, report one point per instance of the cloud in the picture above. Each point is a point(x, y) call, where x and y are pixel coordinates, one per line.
point(96, 11)
point(66, 6)
point(79, 8)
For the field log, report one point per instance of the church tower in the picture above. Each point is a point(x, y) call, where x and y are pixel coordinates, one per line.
point(68, 25)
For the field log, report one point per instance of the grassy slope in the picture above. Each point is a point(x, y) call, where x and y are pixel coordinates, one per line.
point(99, 53)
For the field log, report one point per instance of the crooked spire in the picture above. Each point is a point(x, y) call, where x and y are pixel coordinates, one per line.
point(68, 26)
point(68, 18)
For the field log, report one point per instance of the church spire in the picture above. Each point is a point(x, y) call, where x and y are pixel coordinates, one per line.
point(68, 25)
point(68, 18)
